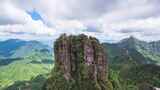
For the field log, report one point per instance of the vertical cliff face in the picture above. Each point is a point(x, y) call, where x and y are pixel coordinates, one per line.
point(80, 63)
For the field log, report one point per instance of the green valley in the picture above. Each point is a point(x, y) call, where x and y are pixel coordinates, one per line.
point(23, 61)
point(133, 65)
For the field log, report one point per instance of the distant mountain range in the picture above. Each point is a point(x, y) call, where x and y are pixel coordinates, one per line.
point(147, 52)
point(15, 48)
point(140, 51)
point(23, 60)
point(134, 64)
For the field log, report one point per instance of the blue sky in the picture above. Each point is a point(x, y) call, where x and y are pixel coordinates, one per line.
point(108, 20)
point(35, 15)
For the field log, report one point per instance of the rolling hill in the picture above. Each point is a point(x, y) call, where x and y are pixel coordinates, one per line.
point(133, 63)
point(22, 60)
point(140, 51)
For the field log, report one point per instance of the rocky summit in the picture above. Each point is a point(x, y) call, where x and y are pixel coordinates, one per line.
point(80, 64)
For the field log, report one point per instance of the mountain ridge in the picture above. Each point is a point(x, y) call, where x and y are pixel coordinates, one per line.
point(128, 60)
point(22, 60)
point(147, 52)
point(11, 46)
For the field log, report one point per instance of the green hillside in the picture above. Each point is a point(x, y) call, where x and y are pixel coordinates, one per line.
point(134, 64)
point(20, 70)
point(24, 61)
point(34, 84)
point(140, 51)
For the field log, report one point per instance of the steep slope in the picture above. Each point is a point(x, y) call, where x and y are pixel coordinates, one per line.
point(80, 64)
point(23, 60)
point(134, 64)
point(140, 51)
point(34, 84)
point(7, 47)
point(15, 48)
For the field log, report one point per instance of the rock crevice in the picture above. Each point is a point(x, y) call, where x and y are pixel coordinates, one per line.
point(80, 62)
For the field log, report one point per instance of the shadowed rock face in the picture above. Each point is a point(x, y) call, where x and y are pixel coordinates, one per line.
point(80, 63)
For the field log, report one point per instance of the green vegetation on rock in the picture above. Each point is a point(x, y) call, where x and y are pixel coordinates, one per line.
point(80, 63)
point(132, 65)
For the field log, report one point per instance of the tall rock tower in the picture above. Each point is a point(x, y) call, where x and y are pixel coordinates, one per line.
point(80, 64)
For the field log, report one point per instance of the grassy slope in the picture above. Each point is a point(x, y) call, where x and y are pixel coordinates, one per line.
point(24, 69)
point(35, 83)
point(16, 71)
point(154, 57)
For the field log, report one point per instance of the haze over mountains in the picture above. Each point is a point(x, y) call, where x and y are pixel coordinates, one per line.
point(141, 51)
point(22, 60)
point(11, 47)
point(149, 51)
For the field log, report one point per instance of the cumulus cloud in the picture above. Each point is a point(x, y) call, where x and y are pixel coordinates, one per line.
point(11, 14)
point(15, 22)
point(108, 20)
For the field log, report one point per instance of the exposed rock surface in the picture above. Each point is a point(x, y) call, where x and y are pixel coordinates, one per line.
point(80, 64)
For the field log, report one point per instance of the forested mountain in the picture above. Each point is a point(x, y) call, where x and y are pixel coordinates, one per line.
point(133, 64)
point(142, 52)
point(22, 60)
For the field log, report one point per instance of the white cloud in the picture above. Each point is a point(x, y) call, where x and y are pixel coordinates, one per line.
point(34, 28)
point(148, 23)
point(16, 23)
point(10, 14)
point(69, 25)
point(146, 29)
point(106, 19)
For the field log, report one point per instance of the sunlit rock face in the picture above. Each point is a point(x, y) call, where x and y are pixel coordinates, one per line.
point(80, 64)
